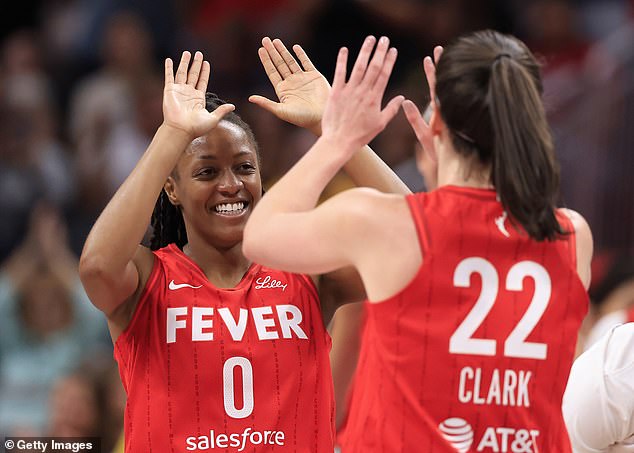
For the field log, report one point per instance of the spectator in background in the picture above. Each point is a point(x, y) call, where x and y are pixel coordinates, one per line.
point(104, 101)
point(33, 161)
point(88, 401)
point(108, 113)
point(47, 324)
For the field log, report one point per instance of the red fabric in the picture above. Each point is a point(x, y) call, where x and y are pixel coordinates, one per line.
point(409, 386)
point(179, 390)
point(630, 314)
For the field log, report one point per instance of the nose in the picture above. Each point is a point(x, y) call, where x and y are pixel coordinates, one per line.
point(230, 183)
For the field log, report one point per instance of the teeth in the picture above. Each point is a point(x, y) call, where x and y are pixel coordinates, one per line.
point(230, 207)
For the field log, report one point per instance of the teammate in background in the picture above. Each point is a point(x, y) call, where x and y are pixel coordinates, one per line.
point(476, 290)
point(599, 400)
point(216, 352)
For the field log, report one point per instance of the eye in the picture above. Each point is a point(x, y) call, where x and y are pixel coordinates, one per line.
point(206, 172)
point(246, 167)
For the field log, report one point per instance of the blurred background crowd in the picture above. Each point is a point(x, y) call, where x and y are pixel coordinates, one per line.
point(80, 98)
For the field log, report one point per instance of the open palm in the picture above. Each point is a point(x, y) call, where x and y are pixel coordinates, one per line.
point(184, 97)
point(302, 90)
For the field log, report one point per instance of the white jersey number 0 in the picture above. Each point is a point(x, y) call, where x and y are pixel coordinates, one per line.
point(462, 341)
point(229, 387)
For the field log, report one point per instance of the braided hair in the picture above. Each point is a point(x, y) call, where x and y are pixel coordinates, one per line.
point(167, 224)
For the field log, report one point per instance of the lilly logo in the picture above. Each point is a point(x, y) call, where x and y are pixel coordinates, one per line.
point(458, 433)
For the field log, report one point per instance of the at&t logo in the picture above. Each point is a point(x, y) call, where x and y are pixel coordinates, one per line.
point(458, 433)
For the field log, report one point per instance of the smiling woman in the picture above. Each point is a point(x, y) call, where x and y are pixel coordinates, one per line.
point(214, 350)
point(226, 162)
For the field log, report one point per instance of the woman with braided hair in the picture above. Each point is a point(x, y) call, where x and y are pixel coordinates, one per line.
point(215, 351)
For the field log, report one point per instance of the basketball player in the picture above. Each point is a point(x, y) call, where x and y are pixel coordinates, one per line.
point(477, 289)
point(215, 352)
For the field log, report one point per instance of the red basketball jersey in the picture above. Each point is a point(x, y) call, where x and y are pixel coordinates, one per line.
point(474, 354)
point(231, 370)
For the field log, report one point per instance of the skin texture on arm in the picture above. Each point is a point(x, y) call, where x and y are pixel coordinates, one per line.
point(113, 266)
point(346, 335)
point(584, 245)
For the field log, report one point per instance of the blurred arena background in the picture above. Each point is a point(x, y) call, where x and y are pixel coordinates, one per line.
point(80, 97)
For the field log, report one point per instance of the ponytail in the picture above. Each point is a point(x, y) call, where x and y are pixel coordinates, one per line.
point(524, 171)
point(489, 94)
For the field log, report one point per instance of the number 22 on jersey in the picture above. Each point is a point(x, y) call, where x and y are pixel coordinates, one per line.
point(515, 345)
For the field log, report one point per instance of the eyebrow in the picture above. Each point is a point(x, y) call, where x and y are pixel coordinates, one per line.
point(238, 154)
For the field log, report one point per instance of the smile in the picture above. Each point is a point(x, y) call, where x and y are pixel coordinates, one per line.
point(231, 209)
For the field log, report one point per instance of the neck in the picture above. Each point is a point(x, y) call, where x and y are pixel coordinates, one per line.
point(224, 267)
point(458, 170)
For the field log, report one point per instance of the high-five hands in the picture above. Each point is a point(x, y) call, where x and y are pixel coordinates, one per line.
point(353, 114)
point(421, 126)
point(184, 97)
point(302, 90)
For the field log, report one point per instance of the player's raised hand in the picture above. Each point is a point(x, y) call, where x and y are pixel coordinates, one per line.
point(353, 115)
point(418, 121)
point(184, 96)
point(301, 89)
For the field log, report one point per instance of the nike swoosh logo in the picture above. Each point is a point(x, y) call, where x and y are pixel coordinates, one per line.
point(174, 286)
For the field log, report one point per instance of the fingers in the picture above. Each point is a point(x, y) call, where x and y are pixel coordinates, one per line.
point(437, 53)
point(194, 70)
point(222, 110)
point(360, 65)
point(415, 119)
point(169, 71)
point(269, 67)
point(303, 58)
point(386, 70)
point(286, 55)
point(430, 73)
point(203, 79)
point(181, 72)
point(197, 75)
point(391, 109)
point(265, 103)
point(339, 79)
point(376, 65)
point(277, 59)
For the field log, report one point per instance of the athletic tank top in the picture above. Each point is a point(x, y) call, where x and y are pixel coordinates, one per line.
point(231, 370)
point(473, 355)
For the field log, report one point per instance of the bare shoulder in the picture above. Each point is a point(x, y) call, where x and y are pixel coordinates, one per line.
point(385, 232)
point(364, 201)
point(585, 244)
point(578, 221)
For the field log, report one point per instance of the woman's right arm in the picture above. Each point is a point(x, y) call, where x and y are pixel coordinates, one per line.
point(584, 246)
point(113, 266)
